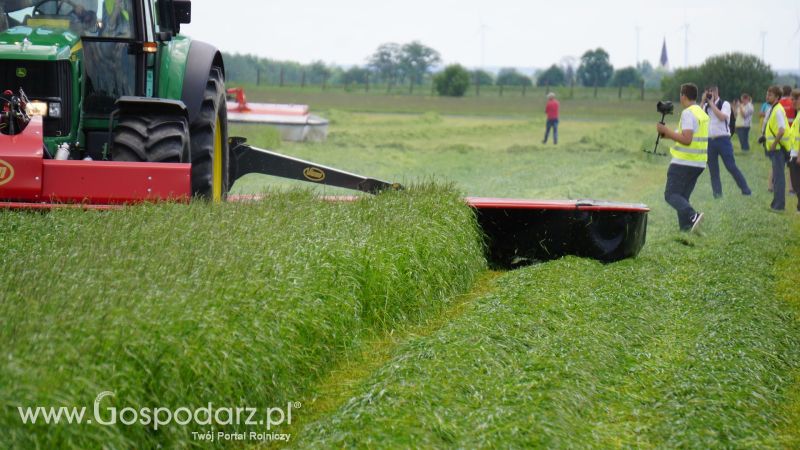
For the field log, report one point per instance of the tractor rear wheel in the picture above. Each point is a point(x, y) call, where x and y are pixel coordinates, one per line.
point(159, 138)
point(209, 140)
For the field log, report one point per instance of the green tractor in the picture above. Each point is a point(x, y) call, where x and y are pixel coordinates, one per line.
point(115, 81)
point(103, 103)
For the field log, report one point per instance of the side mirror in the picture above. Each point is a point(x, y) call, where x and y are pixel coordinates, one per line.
point(183, 12)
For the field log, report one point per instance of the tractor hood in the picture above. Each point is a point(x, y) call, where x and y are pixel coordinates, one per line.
point(38, 43)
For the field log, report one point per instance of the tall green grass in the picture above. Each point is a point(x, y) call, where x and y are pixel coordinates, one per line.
point(237, 304)
point(696, 343)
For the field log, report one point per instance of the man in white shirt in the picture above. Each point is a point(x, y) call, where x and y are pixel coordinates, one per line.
point(745, 113)
point(688, 157)
point(719, 142)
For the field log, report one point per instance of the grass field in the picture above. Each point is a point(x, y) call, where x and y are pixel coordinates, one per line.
point(380, 317)
point(489, 103)
point(237, 305)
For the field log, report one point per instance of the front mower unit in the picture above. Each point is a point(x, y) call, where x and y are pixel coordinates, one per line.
point(521, 232)
point(29, 181)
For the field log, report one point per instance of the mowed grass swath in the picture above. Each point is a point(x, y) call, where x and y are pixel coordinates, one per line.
point(237, 305)
point(693, 344)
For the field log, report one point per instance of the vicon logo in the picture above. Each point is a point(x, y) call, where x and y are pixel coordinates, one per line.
point(6, 172)
point(314, 174)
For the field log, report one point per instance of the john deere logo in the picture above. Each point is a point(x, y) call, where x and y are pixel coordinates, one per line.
point(22, 72)
point(314, 174)
point(6, 172)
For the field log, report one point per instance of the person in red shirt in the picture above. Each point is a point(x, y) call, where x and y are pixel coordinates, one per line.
point(788, 104)
point(551, 109)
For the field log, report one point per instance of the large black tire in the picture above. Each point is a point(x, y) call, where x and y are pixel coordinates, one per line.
point(158, 138)
point(209, 141)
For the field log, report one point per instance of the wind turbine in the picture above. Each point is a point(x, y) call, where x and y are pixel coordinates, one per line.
point(685, 29)
point(482, 31)
point(638, 31)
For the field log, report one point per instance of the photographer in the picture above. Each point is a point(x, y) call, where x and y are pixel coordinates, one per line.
point(775, 139)
point(719, 144)
point(689, 156)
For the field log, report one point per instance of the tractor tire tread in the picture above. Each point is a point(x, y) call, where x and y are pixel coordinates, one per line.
point(151, 139)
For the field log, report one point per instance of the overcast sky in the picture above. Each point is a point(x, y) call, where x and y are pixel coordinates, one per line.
point(516, 33)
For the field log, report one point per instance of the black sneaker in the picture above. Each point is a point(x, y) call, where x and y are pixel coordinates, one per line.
point(698, 217)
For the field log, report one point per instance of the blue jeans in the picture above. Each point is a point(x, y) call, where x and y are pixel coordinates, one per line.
point(778, 179)
point(554, 125)
point(744, 137)
point(681, 181)
point(721, 146)
point(794, 177)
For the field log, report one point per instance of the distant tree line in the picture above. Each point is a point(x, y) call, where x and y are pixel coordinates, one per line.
point(413, 64)
point(253, 69)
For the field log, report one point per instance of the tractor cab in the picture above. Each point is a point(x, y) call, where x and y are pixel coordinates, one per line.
point(80, 57)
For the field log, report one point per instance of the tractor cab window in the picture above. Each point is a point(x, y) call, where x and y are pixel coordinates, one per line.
point(91, 18)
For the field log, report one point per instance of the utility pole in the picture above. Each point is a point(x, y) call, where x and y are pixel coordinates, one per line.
point(763, 44)
point(638, 30)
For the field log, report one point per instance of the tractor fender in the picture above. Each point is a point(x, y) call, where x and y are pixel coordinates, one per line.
point(147, 106)
point(201, 58)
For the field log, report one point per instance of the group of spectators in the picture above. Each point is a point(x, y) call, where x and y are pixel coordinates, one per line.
point(704, 136)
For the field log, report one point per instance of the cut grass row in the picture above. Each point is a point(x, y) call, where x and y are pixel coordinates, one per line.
point(486, 105)
point(696, 343)
point(237, 305)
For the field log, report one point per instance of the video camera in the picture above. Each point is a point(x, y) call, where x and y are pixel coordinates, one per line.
point(663, 107)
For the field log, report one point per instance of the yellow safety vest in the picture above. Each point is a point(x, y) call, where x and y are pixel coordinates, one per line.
point(771, 130)
point(794, 136)
point(110, 8)
point(696, 153)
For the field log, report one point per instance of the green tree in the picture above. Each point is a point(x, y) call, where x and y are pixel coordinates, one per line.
point(452, 82)
point(569, 74)
point(356, 75)
point(595, 68)
point(652, 76)
point(553, 76)
point(416, 60)
point(385, 62)
point(671, 84)
point(318, 73)
point(628, 76)
point(481, 77)
point(734, 73)
point(510, 77)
